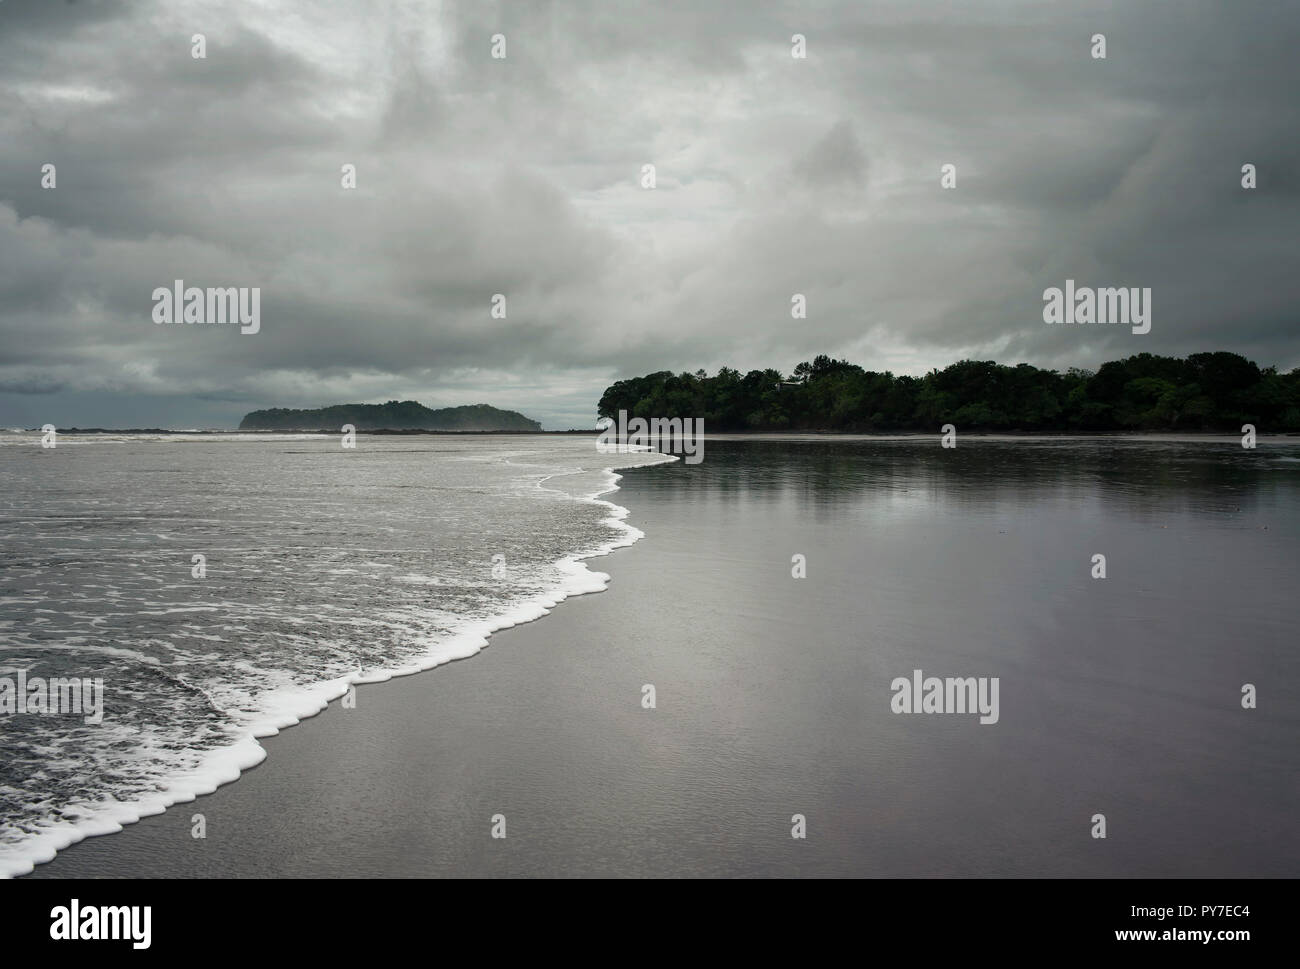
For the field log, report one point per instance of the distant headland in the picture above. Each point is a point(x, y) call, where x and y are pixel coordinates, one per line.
point(395, 415)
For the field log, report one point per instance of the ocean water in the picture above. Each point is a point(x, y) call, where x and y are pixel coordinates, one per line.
point(324, 566)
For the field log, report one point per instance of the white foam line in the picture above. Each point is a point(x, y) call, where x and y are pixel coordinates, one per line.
point(290, 706)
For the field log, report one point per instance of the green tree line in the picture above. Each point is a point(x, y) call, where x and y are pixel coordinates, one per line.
point(1216, 391)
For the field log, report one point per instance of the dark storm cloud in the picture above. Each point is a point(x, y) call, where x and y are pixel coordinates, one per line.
point(521, 176)
point(838, 157)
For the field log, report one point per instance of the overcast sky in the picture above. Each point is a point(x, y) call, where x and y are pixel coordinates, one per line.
point(522, 176)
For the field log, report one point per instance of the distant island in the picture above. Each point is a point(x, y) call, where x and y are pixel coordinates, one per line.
point(394, 415)
point(1216, 391)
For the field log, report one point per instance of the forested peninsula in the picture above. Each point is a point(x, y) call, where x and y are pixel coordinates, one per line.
point(1217, 391)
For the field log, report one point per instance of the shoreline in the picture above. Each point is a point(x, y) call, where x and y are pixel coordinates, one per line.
point(224, 766)
point(774, 695)
point(720, 435)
